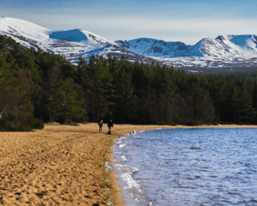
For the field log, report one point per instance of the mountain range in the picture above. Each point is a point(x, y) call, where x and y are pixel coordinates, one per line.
point(222, 51)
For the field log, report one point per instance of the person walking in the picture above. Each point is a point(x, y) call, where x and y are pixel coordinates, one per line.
point(100, 123)
point(110, 126)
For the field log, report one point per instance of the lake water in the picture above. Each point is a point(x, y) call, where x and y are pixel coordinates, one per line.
point(188, 167)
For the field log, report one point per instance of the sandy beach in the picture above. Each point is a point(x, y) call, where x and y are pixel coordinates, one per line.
point(63, 165)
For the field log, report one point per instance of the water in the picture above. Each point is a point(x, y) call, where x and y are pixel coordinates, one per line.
point(188, 167)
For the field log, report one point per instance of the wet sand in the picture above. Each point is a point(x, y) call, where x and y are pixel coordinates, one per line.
point(63, 165)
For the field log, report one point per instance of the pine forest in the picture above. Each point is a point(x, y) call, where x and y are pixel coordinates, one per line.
point(38, 87)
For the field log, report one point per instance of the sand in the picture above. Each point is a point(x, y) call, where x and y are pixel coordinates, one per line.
point(63, 165)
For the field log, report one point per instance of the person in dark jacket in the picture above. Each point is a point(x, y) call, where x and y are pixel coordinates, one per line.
point(110, 126)
point(100, 123)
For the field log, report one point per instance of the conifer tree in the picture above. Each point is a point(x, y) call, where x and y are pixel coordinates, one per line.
point(64, 104)
point(245, 111)
point(81, 75)
point(98, 88)
point(8, 88)
point(15, 106)
point(125, 101)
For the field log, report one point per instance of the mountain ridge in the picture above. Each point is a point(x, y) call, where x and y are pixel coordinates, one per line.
point(221, 51)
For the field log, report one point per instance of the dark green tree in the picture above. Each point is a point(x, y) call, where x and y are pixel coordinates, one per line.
point(63, 102)
point(98, 89)
point(244, 108)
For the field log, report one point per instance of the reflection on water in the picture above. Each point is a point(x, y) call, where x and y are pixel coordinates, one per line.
point(188, 167)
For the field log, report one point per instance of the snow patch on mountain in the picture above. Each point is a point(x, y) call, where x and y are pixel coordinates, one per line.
point(154, 47)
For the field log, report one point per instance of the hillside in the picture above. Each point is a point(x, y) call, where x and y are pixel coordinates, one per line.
point(222, 51)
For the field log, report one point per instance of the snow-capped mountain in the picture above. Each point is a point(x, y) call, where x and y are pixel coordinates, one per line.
point(222, 51)
point(67, 43)
point(71, 44)
point(222, 46)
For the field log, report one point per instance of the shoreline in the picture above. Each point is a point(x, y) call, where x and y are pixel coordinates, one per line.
point(116, 189)
point(63, 164)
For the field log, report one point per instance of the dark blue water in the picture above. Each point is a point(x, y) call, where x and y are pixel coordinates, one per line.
point(188, 167)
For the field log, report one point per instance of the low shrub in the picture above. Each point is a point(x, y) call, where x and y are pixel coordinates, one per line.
point(33, 123)
point(161, 123)
point(38, 124)
point(5, 124)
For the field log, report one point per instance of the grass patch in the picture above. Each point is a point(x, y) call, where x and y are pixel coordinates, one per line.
point(107, 192)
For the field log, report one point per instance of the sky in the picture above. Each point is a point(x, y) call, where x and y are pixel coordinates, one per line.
point(182, 20)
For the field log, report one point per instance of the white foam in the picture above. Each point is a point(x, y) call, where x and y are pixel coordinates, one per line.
point(123, 158)
point(126, 168)
point(132, 186)
point(119, 142)
point(108, 166)
point(128, 178)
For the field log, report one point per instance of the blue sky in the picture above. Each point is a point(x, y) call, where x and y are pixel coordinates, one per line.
point(184, 20)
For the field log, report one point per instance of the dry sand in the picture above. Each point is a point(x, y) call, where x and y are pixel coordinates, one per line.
point(62, 165)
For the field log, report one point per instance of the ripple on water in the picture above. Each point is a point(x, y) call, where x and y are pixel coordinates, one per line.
point(188, 167)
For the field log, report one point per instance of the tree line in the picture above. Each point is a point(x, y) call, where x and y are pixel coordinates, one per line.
point(37, 87)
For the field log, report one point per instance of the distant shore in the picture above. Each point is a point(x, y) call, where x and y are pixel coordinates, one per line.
point(64, 164)
point(216, 126)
